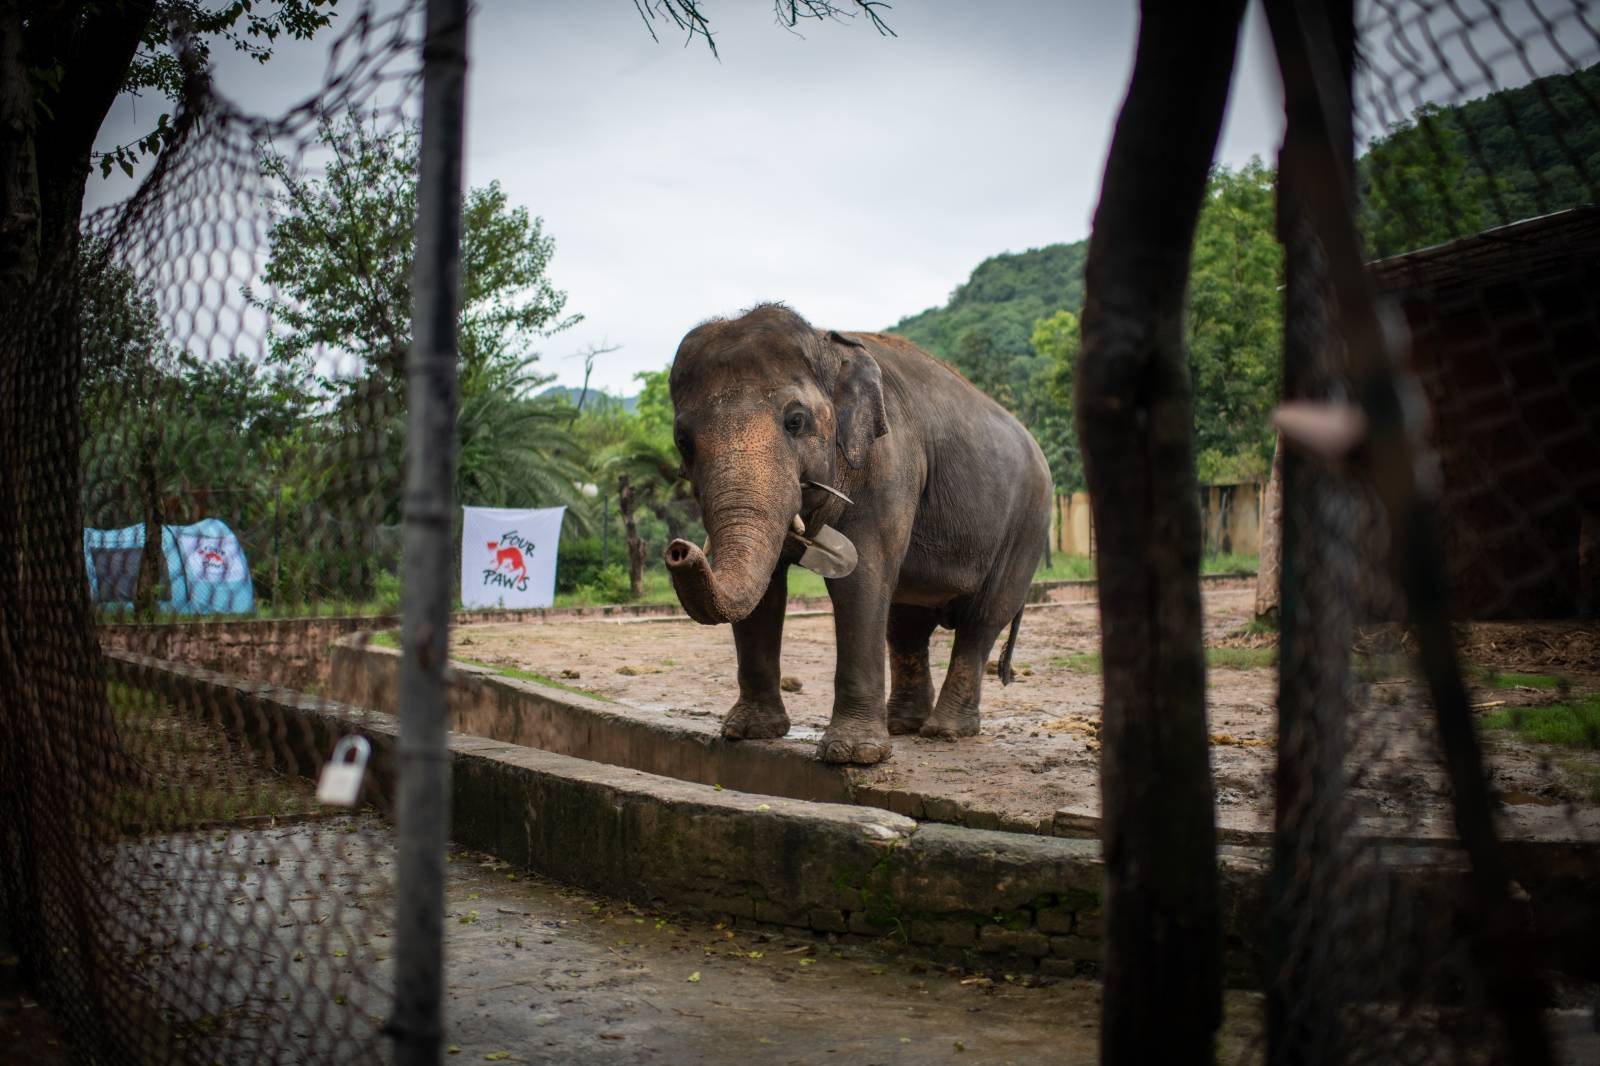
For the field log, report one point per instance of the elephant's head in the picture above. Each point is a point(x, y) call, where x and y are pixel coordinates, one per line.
point(763, 404)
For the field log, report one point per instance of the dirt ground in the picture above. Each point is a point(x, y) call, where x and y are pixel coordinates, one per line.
point(1038, 750)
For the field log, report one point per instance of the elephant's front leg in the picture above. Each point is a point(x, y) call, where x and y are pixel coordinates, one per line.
point(859, 730)
point(758, 639)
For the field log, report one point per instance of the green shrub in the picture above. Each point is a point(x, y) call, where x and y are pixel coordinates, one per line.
point(386, 593)
point(610, 585)
point(578, 561)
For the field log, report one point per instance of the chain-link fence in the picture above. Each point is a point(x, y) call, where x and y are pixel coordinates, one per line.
point(1434, 866)
point(210, 383)
point(204, 394)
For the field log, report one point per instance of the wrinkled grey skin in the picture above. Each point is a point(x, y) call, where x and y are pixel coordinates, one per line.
point(950, 517)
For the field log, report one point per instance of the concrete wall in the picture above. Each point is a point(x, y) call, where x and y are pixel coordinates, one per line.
point(956, 893)
point(828, 868)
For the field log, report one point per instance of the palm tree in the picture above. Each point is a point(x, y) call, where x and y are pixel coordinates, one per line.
point(646, 467)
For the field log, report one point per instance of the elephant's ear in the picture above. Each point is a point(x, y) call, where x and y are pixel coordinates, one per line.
point(857, 400)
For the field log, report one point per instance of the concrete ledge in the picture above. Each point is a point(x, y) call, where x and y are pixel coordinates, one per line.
point(484, 703)
point(826, 867)
point(973, 895)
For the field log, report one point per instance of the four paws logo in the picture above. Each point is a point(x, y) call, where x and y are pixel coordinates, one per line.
point(508, 567)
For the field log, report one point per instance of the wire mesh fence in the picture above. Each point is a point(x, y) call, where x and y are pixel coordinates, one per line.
point(208, 384)
point(1402, 931)
point(212, 388)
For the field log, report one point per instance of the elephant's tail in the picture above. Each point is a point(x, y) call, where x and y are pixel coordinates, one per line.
point(1011, 643)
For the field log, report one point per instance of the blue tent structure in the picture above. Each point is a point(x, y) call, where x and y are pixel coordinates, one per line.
point(206, 569)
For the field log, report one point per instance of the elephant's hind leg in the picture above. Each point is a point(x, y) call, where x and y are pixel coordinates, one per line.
point(758, 640)
point(956, 713)
point(910, 682)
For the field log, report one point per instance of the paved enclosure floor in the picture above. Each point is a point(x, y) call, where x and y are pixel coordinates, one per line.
point(555, 976)
point(539, 973)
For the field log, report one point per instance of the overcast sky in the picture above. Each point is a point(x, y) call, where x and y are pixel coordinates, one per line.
point(857, 177)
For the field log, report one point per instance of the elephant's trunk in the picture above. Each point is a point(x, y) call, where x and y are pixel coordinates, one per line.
point(746, 536)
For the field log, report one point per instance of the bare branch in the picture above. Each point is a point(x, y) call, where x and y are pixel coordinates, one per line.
point(588, 355)
point(686, 15)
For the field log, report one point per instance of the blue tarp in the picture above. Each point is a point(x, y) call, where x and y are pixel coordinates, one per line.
point(206, 569)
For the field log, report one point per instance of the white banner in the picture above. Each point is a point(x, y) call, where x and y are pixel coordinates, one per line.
point(508, 558)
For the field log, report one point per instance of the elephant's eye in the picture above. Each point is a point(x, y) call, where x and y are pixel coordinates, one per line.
point(795, 423)
point(685, 446)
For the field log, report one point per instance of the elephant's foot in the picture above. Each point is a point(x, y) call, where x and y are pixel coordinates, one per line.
point(755, 720)
point(861, 743)
point(947, 725)
point(907, 711)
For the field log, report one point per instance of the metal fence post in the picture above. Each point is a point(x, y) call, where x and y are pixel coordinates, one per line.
point(424, 792)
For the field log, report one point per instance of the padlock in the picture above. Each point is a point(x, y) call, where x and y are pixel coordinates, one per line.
point(340, 783)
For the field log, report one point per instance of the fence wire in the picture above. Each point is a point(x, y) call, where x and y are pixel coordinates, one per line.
point(172, 885)
point(1478, 156)
point(178, 894)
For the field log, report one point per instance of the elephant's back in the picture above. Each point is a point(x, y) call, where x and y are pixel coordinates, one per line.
point(984, 513)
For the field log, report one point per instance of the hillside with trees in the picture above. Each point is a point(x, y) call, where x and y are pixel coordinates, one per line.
point(1443, 173)
point(1515, 154)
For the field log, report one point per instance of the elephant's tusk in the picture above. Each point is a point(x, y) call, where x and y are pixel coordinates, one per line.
point(798, 525)
point(828, 488)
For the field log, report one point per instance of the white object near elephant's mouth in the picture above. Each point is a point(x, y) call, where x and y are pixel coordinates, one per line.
point(827, 488)
point(829, 553)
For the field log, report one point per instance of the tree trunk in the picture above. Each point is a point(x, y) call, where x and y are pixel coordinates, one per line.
point(625, 505)
point(60, 757)
point(153, 560)
point(1270, 564)
point(1162, 998)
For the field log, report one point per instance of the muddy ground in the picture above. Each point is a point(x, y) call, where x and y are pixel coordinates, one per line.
point(1038, 750)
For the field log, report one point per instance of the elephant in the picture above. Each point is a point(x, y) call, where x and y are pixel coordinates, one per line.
point(783, 428)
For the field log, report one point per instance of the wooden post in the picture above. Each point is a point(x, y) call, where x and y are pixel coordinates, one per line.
point(1162, 999)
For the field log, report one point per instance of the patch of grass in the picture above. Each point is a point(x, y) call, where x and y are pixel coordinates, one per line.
point(1259, 627)
point(657, 588)
point(1241, 658)
point(518, 674)
point(1081, 567)
point(1089, 662)
point(1493, 678)
point(1572, 724)
point(1066, 568)
point(1084, 662)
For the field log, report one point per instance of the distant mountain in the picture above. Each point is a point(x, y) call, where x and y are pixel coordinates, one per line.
point(1538, 142)
point(595, 399)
